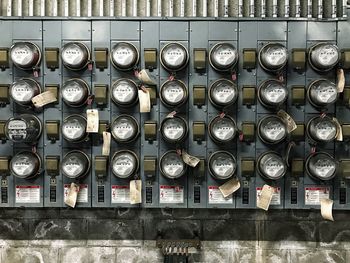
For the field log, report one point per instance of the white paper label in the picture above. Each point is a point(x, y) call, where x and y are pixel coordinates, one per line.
point(276, 195)
point(120, 194)
point(82, 194)
point(145, 101)
point(106, 148)
point(27, 194)
point(215, 196)
point(171, 194)
point(44, 98)
point(135, 192)
point(92, 121)
point(327, 209)
point(314, 195)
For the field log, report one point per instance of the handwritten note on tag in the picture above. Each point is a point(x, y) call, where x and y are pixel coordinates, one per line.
point(106, 147)
point(230, 187)
point(144, 100)
point(265, 197)
point(291, 125)
point(189, 159)
point(92, 121)
point(340, 80)
point(326, 209)
point(146, 78)
point(72, 196)
point(43, 99)
point(135, 192)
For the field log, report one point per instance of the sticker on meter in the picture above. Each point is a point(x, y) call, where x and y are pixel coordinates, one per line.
point(276, 195)
point(171, 194)
point(72, 55)
point(22, 92)
point(120, 194)
point(17, 129)
point(314, 194)
point(82, 194)
point(27, 194)
point(215, 196)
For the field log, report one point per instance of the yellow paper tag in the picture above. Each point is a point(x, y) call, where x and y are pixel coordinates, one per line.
point(135, 192)
point(340, 80)
point(189, 159)
point(326, 209)
point(146, 78)
point(43, 99)
point(265, 197)
point(291, 126)
point(145, 101)
point(230, 187)
point(92, 121)
point(72, 196)
point(339, 135)
point(106, 147)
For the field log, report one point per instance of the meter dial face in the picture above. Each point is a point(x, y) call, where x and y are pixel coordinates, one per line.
point(223, 56)
point(23, 90)
point(222, 130)
point(172, 166)
point(324, 56)
point(75, 164)
point(321, 166)
point(173, 93)
point(124, 128)
point(174, 56)
point(223, 93)
point(222, 165)
point(272, 129)
point(273, 56)
point(74, 128)
point(75, 92)
point(322, 129)
point(124, 92)
point(25, 55)
point(124, 56)
point(272, 166)
point(75, 55)
point(25, 164)
point(272, 93)
point(25, 128)
point(124, 164)
point(174, 129)
point(322, 93)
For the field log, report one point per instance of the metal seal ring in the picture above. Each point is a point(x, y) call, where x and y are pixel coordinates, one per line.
point(170, 68)
point(137, 163)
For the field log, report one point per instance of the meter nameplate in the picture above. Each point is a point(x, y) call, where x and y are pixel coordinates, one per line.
point(149, 166)
point(4, 165)
point(200, 58)
point(299, 133)
point(4, 58)
point(248, 130)
point(4, 94)
point(101, 94)
point(150, 57)
point(298, 58)
point(345, 59)
point(101, 166)
point(52, 58)
point(297, 167)
point(198, 131)
point(247, 167)
point(53, 88)
point(150, 129)
point(248, 95)
point(249, 58)
point(199, 95)
point(101, 58)
point(298, 95)
point(52, 129)
point(52, 166)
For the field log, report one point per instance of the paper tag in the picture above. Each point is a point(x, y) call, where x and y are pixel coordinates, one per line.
point(276, 196)
point(189, 159)
point(339, 135)
point(314, 194)
point(72, 196)
point(106, 147)
point(43, 99)
point(92, 121)
point(230, 187)
point(144, 100)
point(326, 209)
point(340, 80)
point(265, 197)
point(27, 194)
point(135, 192)
point(291, 126)
point(215, 196)
point(146, 78)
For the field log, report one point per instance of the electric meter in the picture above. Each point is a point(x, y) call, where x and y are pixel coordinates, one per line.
point(273, 57)
point(173, 93)
point(174, 56)
point(223, 56)
point(174, 129)
point(75, 55)
point(26, 128)
point(124, 128)
point(272, 129)
point(25, 55)
point(124, 164)
point(171, 165)
point(75, 164)
point(25, 165)
point(321, 166)
point(222, 129)
point(322, 93)
point(324, 56)
point(222, 165)
point(322, 129)
point(75, 92)
point(124, 92)
point(271, 166)
point(272, 94)
point(124, 56)
point(74, 128)
point(223, 93)
point(23, 90)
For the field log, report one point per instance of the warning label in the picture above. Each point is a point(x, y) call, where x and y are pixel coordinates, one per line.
point(171, 194)
point(120, 194)
point(276, 196)
point(216, 197)
point(82, 194)
point(314, 195)
point(27, 193)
